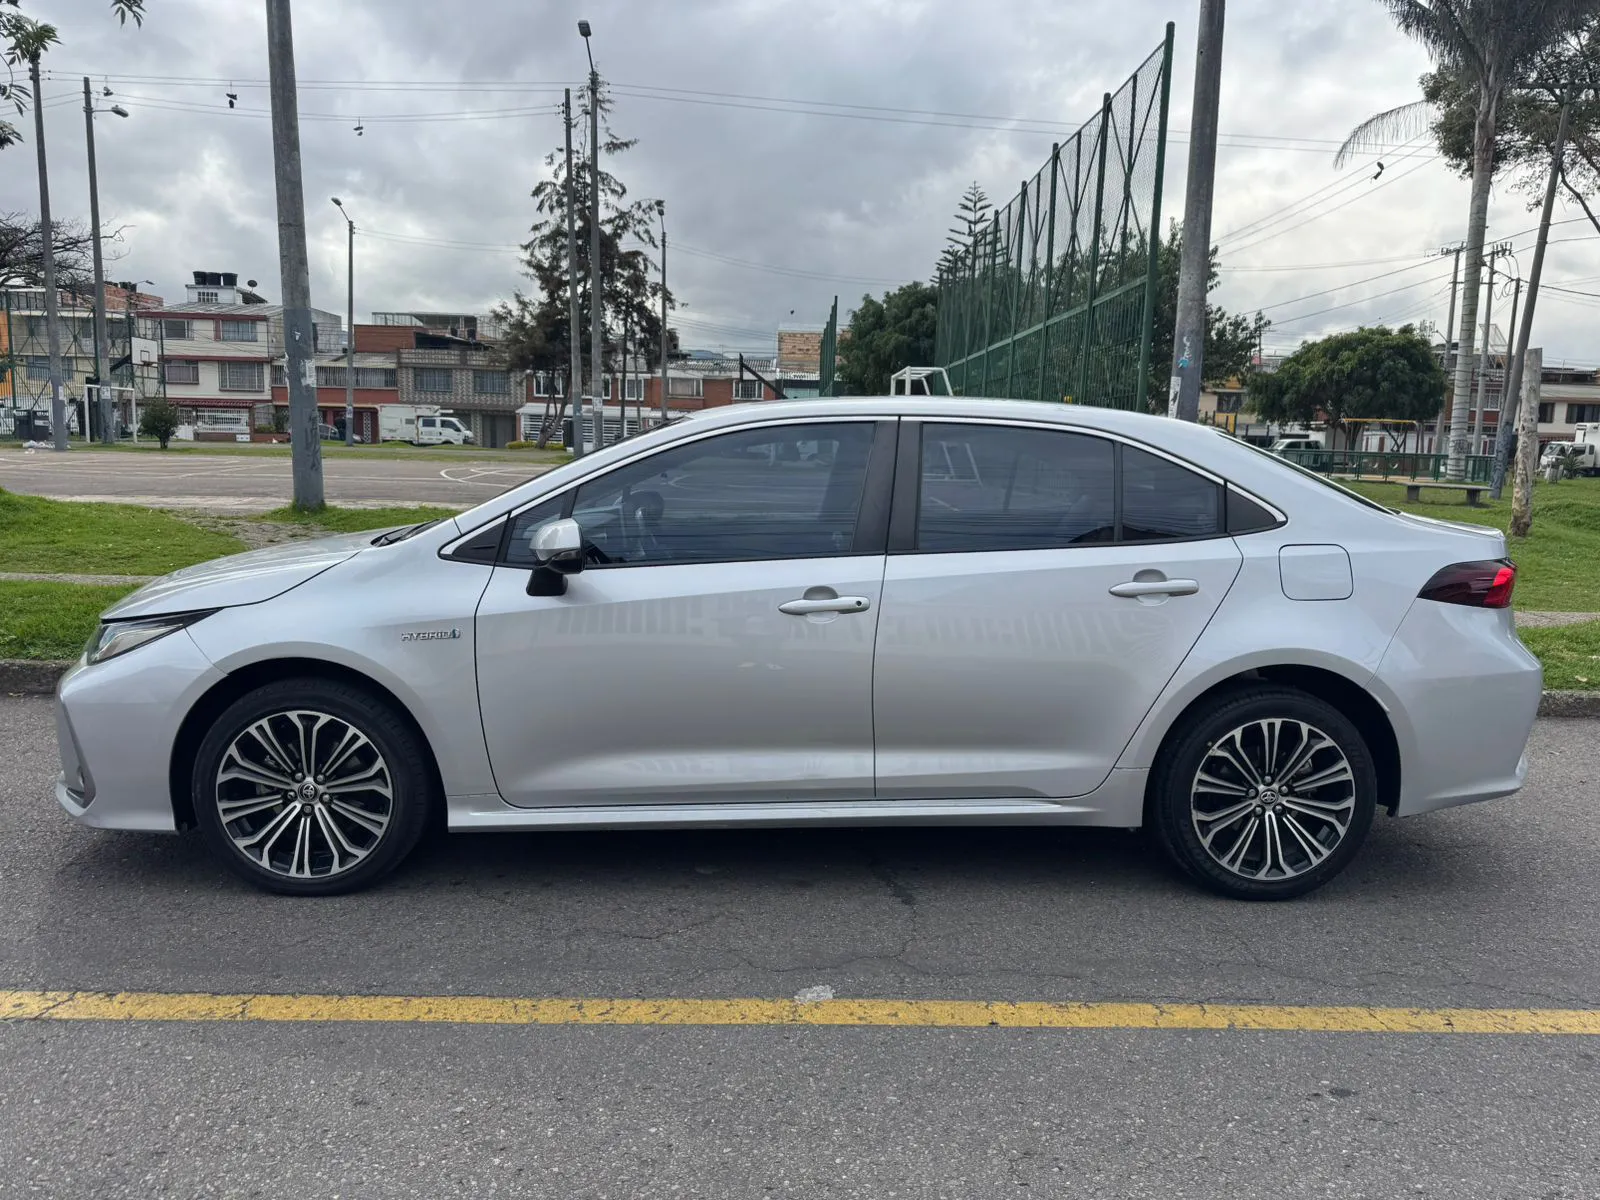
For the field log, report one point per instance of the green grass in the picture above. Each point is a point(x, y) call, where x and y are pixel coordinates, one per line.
point(1558, 563)
point(100, 539)
point(354, 520)
point(51, 620)
point(1571, 655)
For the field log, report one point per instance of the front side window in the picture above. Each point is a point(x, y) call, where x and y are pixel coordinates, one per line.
point(747, 389)
point(491, 383)
point(791, 491)
point(1001, 487)
point(237, 331)
point(240, 376)
point(1163, 502)
point(183, 371)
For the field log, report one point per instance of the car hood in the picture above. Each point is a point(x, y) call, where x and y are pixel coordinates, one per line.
point(240, 578)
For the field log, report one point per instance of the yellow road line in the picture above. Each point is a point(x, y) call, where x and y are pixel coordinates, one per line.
point(950, 1014)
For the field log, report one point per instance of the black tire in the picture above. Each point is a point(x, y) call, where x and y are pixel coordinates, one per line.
point(1173, 820)
point(394, 745)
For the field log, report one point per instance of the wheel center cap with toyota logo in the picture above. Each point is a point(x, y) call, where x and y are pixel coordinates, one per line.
point(308, 790)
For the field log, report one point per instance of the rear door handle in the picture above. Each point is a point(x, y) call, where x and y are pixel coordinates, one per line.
point(833, 604)
point(1156, 587)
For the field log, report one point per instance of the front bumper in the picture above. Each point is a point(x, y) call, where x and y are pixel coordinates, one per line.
point(116, 723)
point(1462, 691)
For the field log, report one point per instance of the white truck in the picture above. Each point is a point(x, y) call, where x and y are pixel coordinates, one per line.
point(421, 425)
point(1581, 454)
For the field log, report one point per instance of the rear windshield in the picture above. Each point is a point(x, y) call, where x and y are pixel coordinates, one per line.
point(1299, 470)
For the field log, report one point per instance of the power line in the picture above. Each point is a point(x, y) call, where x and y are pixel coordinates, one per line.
point(795, 272)
point(1362, 300)
point(1352, 283)
point(1329, 211)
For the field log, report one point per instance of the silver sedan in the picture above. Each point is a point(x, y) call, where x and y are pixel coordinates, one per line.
point(838, 612)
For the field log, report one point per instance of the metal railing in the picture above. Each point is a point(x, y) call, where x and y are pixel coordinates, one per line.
point(1054, 299)
point(1386, 466)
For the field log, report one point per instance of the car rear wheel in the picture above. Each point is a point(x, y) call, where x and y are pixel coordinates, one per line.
point(311, 787)
point(1265, 796)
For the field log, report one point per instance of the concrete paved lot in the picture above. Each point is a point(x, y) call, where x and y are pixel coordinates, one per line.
point(255, 482)
point(1494, 906)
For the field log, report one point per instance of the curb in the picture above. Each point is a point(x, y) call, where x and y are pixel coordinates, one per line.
point(27, 678)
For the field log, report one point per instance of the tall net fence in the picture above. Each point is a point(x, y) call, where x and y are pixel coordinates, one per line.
point(1054, 296)
point(828, 360)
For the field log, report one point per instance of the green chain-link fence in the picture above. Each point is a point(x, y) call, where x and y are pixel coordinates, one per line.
point(1055, 297)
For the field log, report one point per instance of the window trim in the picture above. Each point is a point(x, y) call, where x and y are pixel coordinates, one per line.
point(871, 521)
point(908, 486)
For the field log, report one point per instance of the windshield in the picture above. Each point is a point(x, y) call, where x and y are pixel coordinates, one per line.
point(1298, 469)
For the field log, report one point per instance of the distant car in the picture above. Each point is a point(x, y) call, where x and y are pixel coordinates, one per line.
point(832, 612)
point(330, 434)
point(1308, 452)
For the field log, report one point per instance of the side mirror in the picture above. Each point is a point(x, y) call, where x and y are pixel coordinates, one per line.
point(558, 547)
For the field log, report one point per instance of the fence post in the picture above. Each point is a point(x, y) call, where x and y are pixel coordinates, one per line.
point(1153, 277)
point(988, 298)
point(1016, 288)
point(1049, 270)
point(1094, 253)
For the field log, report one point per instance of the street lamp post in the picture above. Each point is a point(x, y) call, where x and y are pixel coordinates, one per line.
point(107, 433)
point(595, 365)
point(350, 328)
point(661, 211)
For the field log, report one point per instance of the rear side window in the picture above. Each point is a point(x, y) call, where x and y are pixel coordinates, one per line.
point(1001, 487)
point(1163, 502)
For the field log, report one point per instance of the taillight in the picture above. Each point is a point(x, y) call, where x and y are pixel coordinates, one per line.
point(1476, 584)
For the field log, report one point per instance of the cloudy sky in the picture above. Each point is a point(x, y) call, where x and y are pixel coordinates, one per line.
point(773, 206)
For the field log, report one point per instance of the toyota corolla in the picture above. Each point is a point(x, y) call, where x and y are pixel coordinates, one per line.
point(833, 612)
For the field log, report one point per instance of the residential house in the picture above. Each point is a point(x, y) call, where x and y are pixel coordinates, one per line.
point(217, 350)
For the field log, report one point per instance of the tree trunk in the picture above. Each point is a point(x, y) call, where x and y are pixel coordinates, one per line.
point(1527, 444)
point(1477, 225)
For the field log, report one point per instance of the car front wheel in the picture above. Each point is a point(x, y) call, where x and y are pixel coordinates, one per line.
point(1266, 796)
point(311, 787)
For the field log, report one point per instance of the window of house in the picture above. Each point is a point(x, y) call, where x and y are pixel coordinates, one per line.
point(792, 491)
point(1582, 414)
point(547, 383)
point(375, 377)
point(491, 383)
point(182, 371)
point(240, 376)
point(1230, 402)
point(998, 487)
point(1547, 413)
point(1162, 501)
point(238, 331)
point(634, 388)
point(279, 376)
point(236, 420)
point(430, 379)
point(205, 297)
point(38, 326)
point(38, 367)
point(747, 389)
point(685, 385)
point(175, 330)
point(330, 376)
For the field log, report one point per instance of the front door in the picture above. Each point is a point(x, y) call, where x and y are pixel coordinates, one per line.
point(1048, 587)
point(717, 647)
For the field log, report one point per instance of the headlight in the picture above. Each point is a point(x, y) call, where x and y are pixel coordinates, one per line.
point(118, 637)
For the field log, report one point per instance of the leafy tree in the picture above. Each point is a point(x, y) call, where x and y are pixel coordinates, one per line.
point(537, 329)
point(1231, 338)
point(22, 40)
point(159, 419)
point(886, 335)
point(1487, 44)
point(1375, 373)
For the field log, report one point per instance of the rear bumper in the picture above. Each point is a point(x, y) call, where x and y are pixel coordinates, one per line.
point(1462, 691)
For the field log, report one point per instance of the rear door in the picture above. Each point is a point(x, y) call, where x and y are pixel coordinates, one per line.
point(1042, 587)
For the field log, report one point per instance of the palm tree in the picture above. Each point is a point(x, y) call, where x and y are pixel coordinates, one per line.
point(1487, 42)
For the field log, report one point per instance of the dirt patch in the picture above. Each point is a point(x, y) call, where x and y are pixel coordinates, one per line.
point(254, 534)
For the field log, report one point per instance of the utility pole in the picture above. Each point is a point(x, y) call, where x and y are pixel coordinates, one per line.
point(574, 337)
point(1502, 446)
point(299, 337)
point(661, 211)
point(595, 301)
point(107, 431)
point(1449, 341)
point(52, 302)
point(1476, 415)
point(350, 330)
point(1189, 339)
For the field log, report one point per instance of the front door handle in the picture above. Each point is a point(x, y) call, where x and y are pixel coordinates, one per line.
point(1156, 587)
point(832, 604)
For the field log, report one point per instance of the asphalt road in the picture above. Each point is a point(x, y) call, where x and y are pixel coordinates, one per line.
point(254, 482)
point(1492, 906)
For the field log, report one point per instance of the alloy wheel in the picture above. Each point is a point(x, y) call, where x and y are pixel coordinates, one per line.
point(304, 794)
point(1272, 799)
